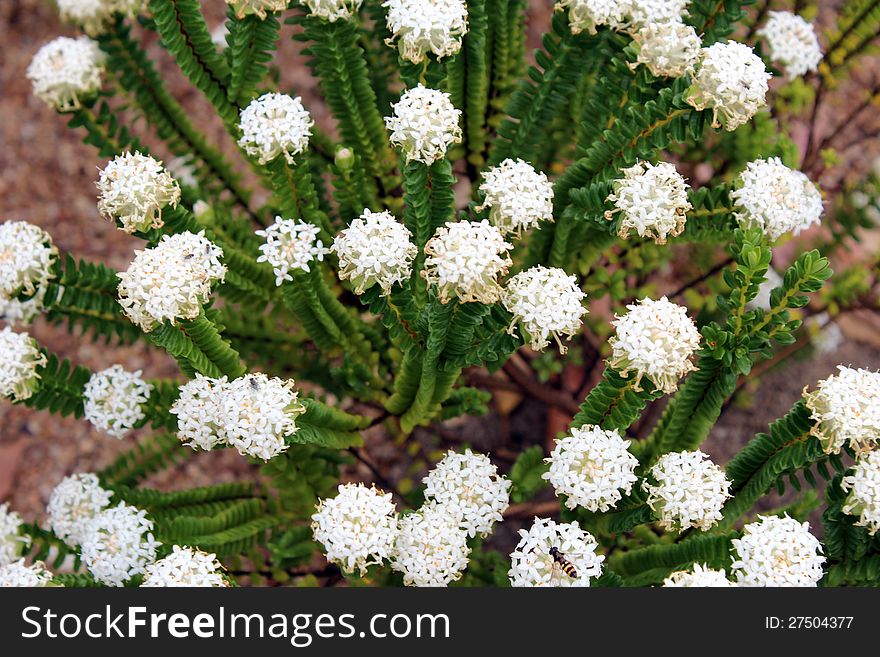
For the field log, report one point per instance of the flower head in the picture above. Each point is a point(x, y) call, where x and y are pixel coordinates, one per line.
point(258, 7)
point(732, 80)
point(275, 124)
point(668, 49)
point(652, 200)
point(426, 27)
point(700, 577)
point(17, 574)
point(652, 12)
point(776, 199)
point(113, 399)
point(465, 259)
point(535, 562)
point(686, 489)
point(118, 544)
point(357, 527)
point(186, 566)
point(590, 14)
point(170, 281)
point(21, 313)
point(518, 196)
point(198, 408)
point(424, 124)
point(333, 10)
point(777, 551)
point(20, 357)
point(546, 302)
point(133, 189)
point(374, 249)
point(95, 16)
point(793, 42)
point(592, 467)
point(655, 340)
point(469, 487)
point(67, 71)
point(863, 486)
point(430, 548)
point(12, 541)
point(74, 502)
point(290, 245)
point(26, 258)
point(845, 409)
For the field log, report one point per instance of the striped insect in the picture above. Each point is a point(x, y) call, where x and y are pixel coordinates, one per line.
point(564, 564)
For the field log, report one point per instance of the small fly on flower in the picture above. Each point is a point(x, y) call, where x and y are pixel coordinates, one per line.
point(564, 564)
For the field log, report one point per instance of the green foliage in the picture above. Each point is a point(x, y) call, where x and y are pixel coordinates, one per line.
point(526, 474)
point(615, 402)
point(250, 47)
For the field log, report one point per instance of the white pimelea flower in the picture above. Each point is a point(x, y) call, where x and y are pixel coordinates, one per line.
point(133, 189)
point(863, 486)
point(118, 544)
point(171, 280)
point(67, 71)
point(469, 487)
point(426, 27)
point(21, 313)
point(424, 124)
point(333, 10)
point(464, 259)
point(533, 564)
point(652, 200)
point(357, 527)
point(275, 124)
point(95, 16)
point(198, 410)
point(518, 196)
point(546, 302)
point(648, 12)
point(777, 551)
point(26, 257)
point(113, 399)
point(700, 577)
point(290, 245)
point(590, 14)
point(17, 574)
point(686, 489)
point(430, 548)
point(793, 42)
point(732, 80)
point(259, 7)
point(374, 249)
point(845, 409)
point(20, 357)
point(74, 502)
point(826, 335)
point(592, 467)
point(185, 566)
point(655, 340)
point(12, 542)
point(668, 49)
point(776, 199)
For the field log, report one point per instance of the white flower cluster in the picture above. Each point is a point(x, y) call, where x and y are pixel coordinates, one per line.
point(185, 566)
point(863, 486)
point(546, 302)
point(430, 548)
point(668, 49)
point(776, 199)
point(518, 196)
point(290, 245)
point(133, 189)
point(20, 357)
point(118, 544)
point(652, 200)
point(651, 12)
point(536, 559)
point(464, 259)
point(66, 71)
point(826, 336)
point(374, 249)
point(254, 414)
point(357, 527)
point(469, 487)
point(275, 124)
point(258, 7)
point(17, 574)
point(700, 577)
point(592, 468)
point(687, 490)
point(95, 16)
point(171, 280)
point(426, 27)
point(732, 80)
point(333, 10)
point(845, 409)
point(777, 551)
point(793, 42)
point(26, 258)
point(12, 542)
point(424, 124)
point(587, 15)
point(74, 502)
point(655, 340)
point(113, 399)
